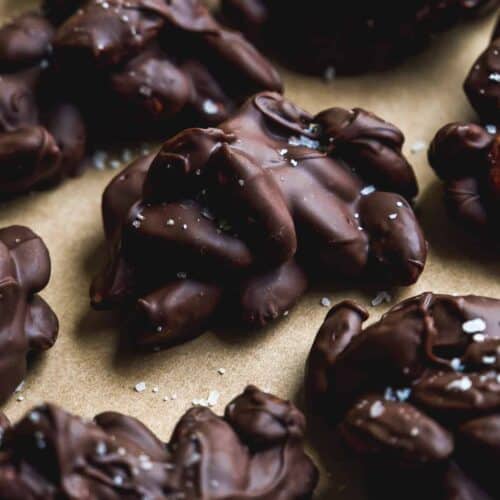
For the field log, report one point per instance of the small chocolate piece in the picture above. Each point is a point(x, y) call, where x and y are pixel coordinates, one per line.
point(417, 392)
point(465, 156)
point(303, 200)
point(27, 323)
point(352, 38)
point(482, 85)
point(42, 135)
point(254, 452)
point(150, 67)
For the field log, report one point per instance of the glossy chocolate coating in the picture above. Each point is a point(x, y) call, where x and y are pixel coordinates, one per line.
point(42, 134)
point(27, 323)
point(353, 37)
point(417, 392)
point(145, 68)
point(482, 85)
point(247, 212)
point(465, 156)
point(254, 452)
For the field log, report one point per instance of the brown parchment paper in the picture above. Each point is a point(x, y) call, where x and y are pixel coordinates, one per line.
point(89, 370)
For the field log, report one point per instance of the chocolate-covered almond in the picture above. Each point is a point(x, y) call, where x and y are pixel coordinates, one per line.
point(52, 454)
point(257, 206)
point(482, 85)
point(395, 430)
point(416, 393)
point(466, 157)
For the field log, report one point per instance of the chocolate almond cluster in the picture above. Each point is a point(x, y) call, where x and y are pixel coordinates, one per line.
point(352, 37)
point(87, 72)
point(42, 134)
point(482, 85)
point(466, 158)
point(244, 214)
point(417, 394)
point(254, 452)
point(27, 323)
point(148, 67)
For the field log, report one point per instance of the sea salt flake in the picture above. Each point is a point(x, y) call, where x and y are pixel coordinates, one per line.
point(210, 107)
point(376, 409)
point(221, 371)
point(494, 77)
point(326, 302)
point(475, 325)
point(330, 74)
point(304, 141)
point(213, 398)
point(418, 146)
point(491, 129)
point(145, 91)
point(367, 190)
point(461, 384)
point(140, 387)
point(380, 298)
point(393, 216)
point(456, 364)
point(99, 160)
point(101, 448)
point(489, 360)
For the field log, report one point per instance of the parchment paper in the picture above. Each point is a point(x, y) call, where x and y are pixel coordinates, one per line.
point(89, 370)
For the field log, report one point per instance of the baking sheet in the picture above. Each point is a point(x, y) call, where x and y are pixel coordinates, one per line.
point(91, 370)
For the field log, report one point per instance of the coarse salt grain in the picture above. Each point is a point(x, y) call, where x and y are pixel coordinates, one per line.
point(475, 325)
point(326, 302)
point(418, 146)
point(376, 409)
point(367, 190)
point(140, 387)
point(461, 384)
point(489, 360)
point(380, 298)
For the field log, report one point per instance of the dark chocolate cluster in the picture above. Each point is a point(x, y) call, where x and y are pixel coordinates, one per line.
point(148, 67)
point(254, 452)
point(87, 72)
point(417, 394)
point(466, 157)
point(244, 214)
point(27, 323)
point(347, 37)
point(42, 134)
point(482, 85)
